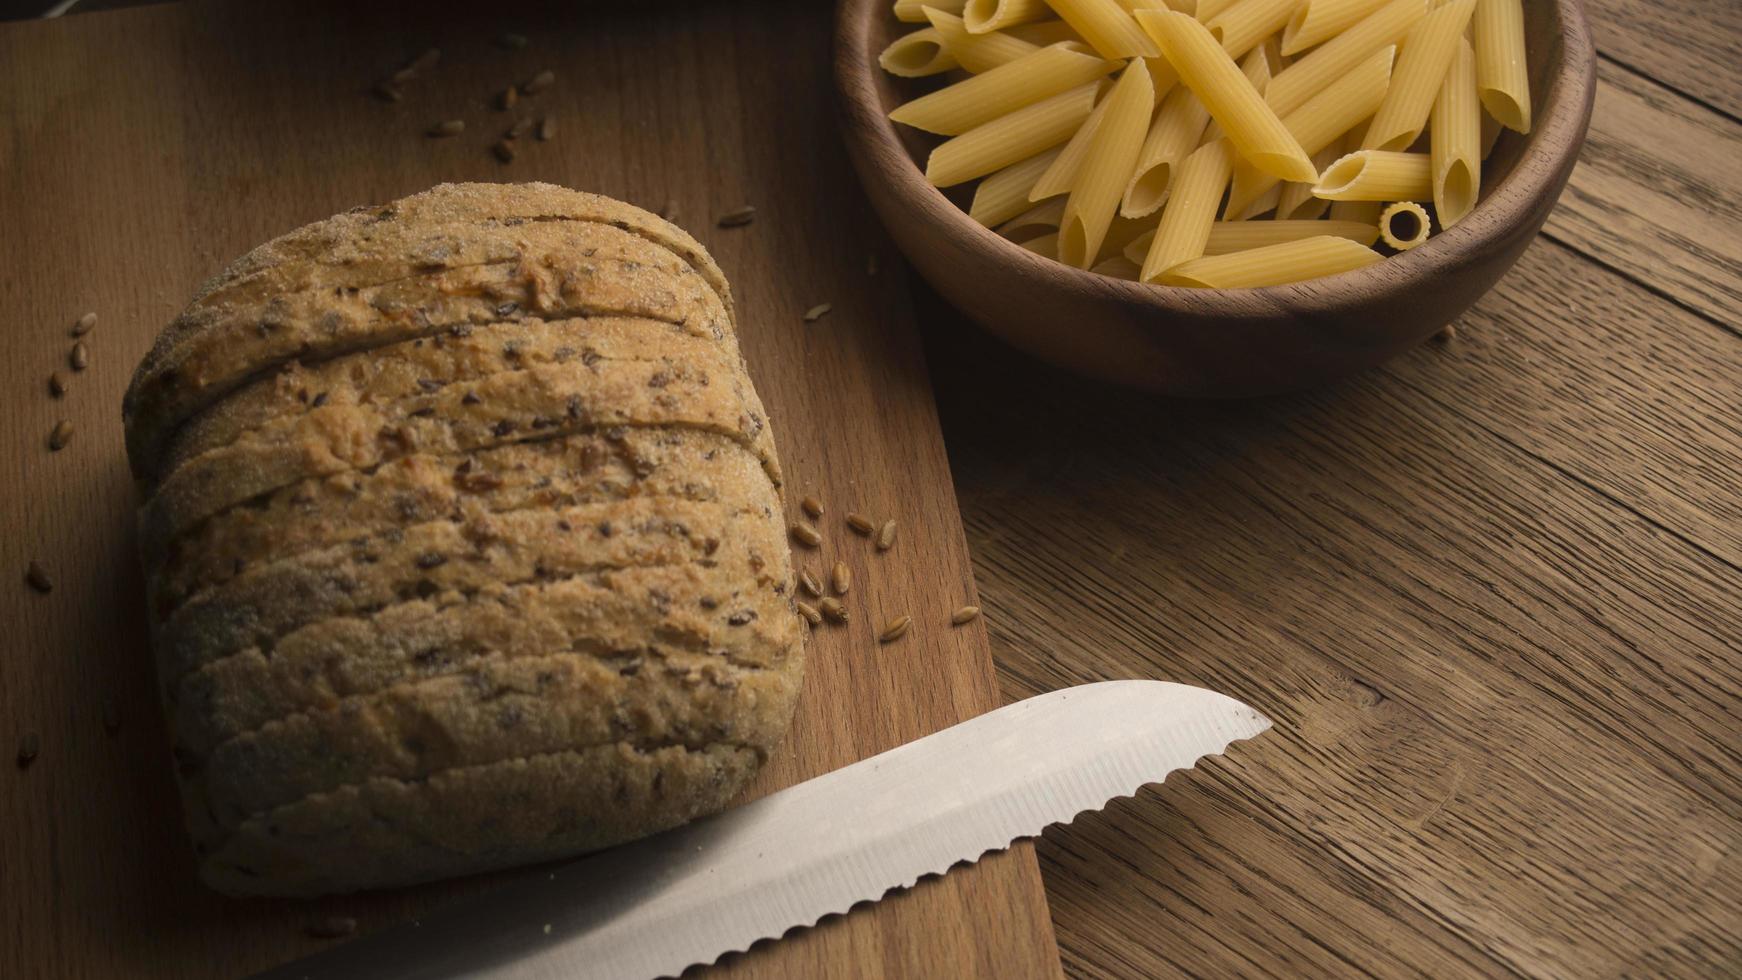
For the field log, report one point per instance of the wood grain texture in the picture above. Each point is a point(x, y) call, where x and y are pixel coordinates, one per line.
point(1218, 342)
point(141, 150)
point(1655, 194)
point(1689, 45)
point(1488, 592)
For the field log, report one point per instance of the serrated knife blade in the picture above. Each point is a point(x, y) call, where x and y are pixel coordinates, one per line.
point(654, 907)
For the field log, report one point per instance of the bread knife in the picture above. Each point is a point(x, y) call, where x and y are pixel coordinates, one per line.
point(653, 907)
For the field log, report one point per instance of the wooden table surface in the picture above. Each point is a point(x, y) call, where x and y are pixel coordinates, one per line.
point(1491, 594)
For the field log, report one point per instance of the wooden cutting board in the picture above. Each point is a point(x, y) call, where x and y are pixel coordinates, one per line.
point(140, 151)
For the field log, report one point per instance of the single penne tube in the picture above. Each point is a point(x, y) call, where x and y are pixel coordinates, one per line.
point(1112, 156)
point(1137, 248)
point(1256, 67)
point(1272, 48)
point(1320, 122)
point(1422, 61)
point(1455, 140)
point(995, 15)
point(1317, 21)
point(1175, 132)
point(1037, 220)
point(1046, 246)
point(917, 54)
point(913, 11)
point(1207, 9)
point(1273, 265)
point(1191, 209)
point(1119, 267)
point(1265, 204)
point(1063, 173)
point(979, 99)
point(1107, 27)
point(1357, 212)
point(1041, 33)
point(1296, 200)
point(1252, 126)
point(1008, 139)
point(1491, 130)
point(1246, 24)
point(1004, 195)
point(1403, 225)
point(1240, 236)
point(1121, 232)
point(1308, 76)
point(977, 52)
point(1502, 74)
point(1377, 175)
point(1161, 75)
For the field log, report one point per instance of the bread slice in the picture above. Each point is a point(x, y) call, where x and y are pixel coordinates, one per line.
point(414, 369)
point(538, 402)
point(259, 606)
point(695, 607)
point(496, 709)
point(557, 472)
point(544, 269)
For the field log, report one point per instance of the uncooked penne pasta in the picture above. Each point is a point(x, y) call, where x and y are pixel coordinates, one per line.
point(1008, 139)
point(1455, 140)
point(1502, 74)
point(1206, 9)
point(1320, 122)
point(1252, 126)
point(1004, 195)
point(1256, 67)
point(1041, 33)
point(1175, 132)
point(1241, 27)
point(1063, 173)
point(913, 11)
point(1491, 129)
point(1425, 55)
point(1239, 236)
point(979, 99)
point(1119, 267)
point(1296, 200)
point(1273, 265)
point(1265, 204)
point(977, 52)
point(995, 15)
point(1121, 232)
point(1403, 225)
point(1332, 60)
point(1112, 157)
point(1046, 246)
point(1107, 27)
point(917, 54)
point(1377, 175)
point(1358, 212)
point(1191, 209)
point(1317, 21)
point(1037, 220)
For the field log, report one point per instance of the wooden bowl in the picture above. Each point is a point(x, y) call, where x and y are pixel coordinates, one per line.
point(1217, 343)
